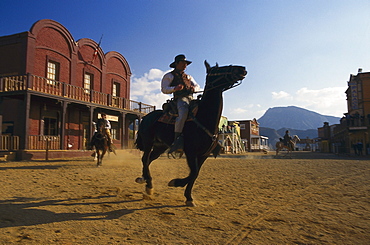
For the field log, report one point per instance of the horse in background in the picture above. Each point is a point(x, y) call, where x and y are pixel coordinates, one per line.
point(289, 147)
point(100, 141)
point(200, 134)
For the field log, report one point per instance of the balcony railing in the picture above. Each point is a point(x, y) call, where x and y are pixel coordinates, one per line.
point(47, 86)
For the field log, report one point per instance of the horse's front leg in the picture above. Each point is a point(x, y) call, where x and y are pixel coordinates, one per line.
point(102, 156)
point(194, 164)
point(194, 172)
point(98, 163)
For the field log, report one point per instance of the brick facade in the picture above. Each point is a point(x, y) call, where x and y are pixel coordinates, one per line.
point(32, 105)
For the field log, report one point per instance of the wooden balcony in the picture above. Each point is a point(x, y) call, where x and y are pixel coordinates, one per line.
point(61, 89)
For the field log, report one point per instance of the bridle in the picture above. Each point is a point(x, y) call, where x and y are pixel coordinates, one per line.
point(230, 76)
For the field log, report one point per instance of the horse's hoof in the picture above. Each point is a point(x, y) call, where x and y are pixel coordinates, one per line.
point(147, 197)
point(140, 180)
point(190, 203)
point(149, 191)
point(172, 183)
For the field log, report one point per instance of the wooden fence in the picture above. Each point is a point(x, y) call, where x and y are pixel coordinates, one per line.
point(9, 143)
point(43, 142)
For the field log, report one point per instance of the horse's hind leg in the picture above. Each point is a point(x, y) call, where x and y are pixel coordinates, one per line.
point(147, 159)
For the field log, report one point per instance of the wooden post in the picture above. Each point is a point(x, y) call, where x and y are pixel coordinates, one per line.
point(62, 124)
point(47, 149)
point(1, 132)
point(122, 130)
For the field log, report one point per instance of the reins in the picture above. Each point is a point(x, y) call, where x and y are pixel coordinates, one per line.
point(221, 76)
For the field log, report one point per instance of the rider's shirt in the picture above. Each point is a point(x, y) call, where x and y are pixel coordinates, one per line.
point(172, 79)
point(107, 124)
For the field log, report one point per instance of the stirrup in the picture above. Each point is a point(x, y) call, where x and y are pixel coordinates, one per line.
point(178, 144)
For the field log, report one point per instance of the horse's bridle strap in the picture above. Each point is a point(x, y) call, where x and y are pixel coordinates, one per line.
point(213, 136)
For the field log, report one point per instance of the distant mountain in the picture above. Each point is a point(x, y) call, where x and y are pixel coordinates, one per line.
point(294, 118)
point(298, 121)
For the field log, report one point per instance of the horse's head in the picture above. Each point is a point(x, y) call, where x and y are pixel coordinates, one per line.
point(296, 139)
point(100, 125)
point(224, 77)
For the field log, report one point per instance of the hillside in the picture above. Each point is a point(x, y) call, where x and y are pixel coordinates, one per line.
point(294, 118)
point(298, 121)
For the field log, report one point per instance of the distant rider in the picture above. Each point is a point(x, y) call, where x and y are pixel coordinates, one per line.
point(107, 132)
point(287, 139)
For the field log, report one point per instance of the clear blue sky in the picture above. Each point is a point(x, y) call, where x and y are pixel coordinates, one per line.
point(296, 52)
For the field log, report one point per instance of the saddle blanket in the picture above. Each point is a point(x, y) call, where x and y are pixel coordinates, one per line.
point(170, 119)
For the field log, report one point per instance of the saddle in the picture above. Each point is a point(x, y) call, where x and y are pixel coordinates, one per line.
point(169, 117)
point(170, 112)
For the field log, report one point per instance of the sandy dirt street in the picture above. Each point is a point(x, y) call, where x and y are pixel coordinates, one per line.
point(312, 198)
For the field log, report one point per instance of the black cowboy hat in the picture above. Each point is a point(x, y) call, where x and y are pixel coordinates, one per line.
point(179, 58)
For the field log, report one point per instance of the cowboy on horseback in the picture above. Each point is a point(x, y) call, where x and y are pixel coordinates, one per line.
point(182, 86)
point(107, 133)
point(287, 139)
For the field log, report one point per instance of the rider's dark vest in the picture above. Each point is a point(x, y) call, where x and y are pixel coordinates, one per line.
point(181, 78)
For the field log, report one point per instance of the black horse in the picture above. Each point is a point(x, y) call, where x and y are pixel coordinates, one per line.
point(100, 141)
point(200, 135)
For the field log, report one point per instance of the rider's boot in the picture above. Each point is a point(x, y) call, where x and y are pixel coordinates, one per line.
point(178, 143)
point(216, 150)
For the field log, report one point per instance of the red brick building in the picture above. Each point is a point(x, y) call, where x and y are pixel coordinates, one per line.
point(52, 88)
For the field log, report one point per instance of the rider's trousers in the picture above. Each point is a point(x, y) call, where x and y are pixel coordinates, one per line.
point(183, 110)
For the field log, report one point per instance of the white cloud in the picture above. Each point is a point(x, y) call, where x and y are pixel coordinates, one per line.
point(281, 95)
point(326, 101)
point(238, 111)
point(147, 88)
point(245, 112)
point(155, 74)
